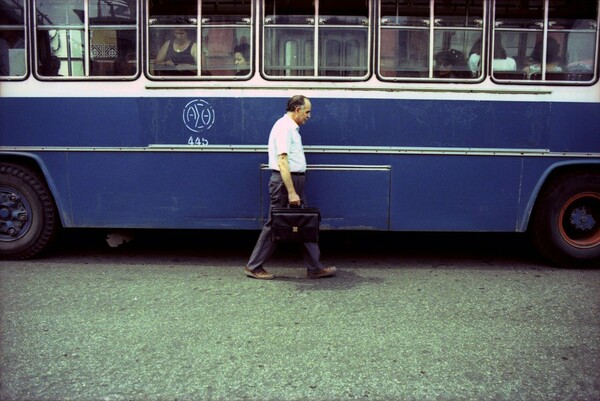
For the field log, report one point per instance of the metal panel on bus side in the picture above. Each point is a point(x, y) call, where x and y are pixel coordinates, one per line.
point(429, 191)
point(165, 189)
point(455, 193)
point(440, 192)
point(127, 122)
point(350, 197)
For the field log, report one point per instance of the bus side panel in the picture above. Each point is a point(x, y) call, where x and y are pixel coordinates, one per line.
point(135, 122)
point(455, 193)
point(165, 189)
point(427, 192)
point(74, 122)
point(349, 197)
point(429, 123)
point(213, 191)
point(574, 127)
point(211, 121)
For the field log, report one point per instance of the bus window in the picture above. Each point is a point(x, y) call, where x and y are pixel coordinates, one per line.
point(559, 47)
point(174, 51)
point(576, 28)
point(224, 34)
point(407, 29)
point(341, 32)
point(12, 39)
point(97, 39)
point(113, 44)
point(226, 31)
point(289, 38)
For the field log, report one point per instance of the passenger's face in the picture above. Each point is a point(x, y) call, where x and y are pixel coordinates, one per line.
point(444, 70)
point(240, 61)
point(180, 34)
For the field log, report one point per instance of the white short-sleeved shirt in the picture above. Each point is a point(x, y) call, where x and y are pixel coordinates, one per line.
point(285, 138)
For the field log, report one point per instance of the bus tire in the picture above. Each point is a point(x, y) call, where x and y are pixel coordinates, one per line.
point(28, 216)
point(566, 221)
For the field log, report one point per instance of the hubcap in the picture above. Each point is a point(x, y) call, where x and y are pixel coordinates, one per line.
point(579, 220)
point(15, 214)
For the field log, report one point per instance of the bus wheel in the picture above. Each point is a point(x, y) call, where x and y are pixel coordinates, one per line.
point(28, 218)
point(566, 222)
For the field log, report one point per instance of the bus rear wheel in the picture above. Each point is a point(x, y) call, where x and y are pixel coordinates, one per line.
point(28, 217)
point(566, 222)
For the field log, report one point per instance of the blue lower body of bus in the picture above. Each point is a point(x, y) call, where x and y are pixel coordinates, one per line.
point(374, 164)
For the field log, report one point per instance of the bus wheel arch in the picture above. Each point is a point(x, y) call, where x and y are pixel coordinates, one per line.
point(565, 223)
point(29, 219)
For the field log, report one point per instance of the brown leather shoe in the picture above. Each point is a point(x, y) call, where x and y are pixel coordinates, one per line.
point(258, 273)
point(324, 272)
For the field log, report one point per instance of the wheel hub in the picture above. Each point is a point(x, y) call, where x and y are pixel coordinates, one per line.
point(578, 220)
point(582, 220)
point(14, 215)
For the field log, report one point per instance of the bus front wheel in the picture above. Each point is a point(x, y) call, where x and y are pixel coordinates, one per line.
point(28, 217)
point(566, 221)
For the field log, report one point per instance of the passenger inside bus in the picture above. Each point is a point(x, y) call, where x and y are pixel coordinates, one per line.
point(217, 44)
point(50, 67)
point(451, 64)
point(580, 50)
point(241, 55)
point(177, 56)
point(125, 66)
point(552, 58)
point(501, 60)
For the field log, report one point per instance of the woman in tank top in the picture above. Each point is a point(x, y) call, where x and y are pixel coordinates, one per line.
point(178, 55)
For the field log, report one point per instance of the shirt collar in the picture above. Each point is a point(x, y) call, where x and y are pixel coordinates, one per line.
point(293, 122)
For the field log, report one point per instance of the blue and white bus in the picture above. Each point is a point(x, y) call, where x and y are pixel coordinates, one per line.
point(428, 115)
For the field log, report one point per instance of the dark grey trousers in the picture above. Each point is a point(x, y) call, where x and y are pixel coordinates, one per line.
point(264, 248)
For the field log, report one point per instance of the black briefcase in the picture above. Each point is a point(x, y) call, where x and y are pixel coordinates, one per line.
point(296, 224)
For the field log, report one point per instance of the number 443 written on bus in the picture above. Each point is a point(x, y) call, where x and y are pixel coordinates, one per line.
point(197, 141)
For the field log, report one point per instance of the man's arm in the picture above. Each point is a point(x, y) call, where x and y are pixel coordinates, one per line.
point(286, 177)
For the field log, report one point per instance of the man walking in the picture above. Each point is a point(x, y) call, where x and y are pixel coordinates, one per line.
point(286, 186)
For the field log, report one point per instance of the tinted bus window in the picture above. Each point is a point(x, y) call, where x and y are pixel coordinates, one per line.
point(441, 40)
point(549, 41)
point(341, 31)
point(13, 60)
point(223, 29)
point(75, 39)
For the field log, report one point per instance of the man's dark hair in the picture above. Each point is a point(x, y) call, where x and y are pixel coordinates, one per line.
point(296, 101)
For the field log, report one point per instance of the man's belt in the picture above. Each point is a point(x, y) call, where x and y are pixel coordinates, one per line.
point(292, 172)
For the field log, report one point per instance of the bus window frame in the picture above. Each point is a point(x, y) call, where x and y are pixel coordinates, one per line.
point(86, 28)
point(25, 30)
point(248, 23)
point(544, 28)
point(317, 24)
point(431, 26)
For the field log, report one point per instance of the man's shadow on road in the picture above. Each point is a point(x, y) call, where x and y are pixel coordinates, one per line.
point(343, 280)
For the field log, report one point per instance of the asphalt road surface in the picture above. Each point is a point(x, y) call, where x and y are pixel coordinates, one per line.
point(170, 316)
